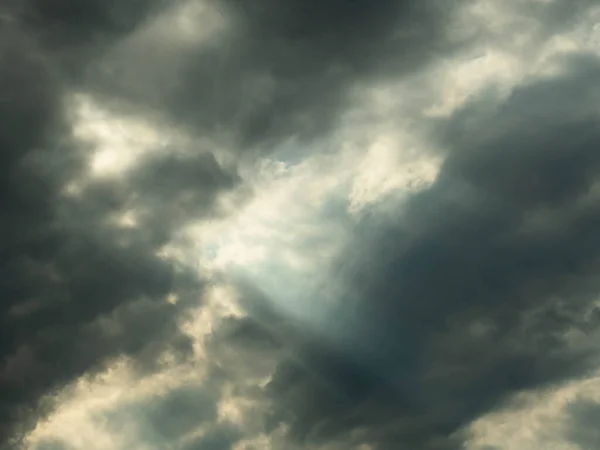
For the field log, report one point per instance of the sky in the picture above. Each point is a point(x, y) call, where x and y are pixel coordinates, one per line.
point(300, 225)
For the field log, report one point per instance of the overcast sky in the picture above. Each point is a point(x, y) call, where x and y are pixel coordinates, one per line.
point(300, 225)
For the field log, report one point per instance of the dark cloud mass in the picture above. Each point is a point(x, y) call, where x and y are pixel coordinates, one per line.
point(281, 70)
point(465, 298)
point(76, 289)
point(452, 302)
point(75, 32)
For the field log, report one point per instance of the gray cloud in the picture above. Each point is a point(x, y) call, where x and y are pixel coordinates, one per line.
point(74, 33)
point(464, 299)
point(78, 290)
point(555, 17)
point(460, 301)
point(53, 445)
point(164, 419)
point(282, 70)
point(583, 424)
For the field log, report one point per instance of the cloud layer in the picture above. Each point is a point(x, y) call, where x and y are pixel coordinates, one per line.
point(299, 224)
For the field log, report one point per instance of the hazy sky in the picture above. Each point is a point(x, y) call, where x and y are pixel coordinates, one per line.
point(300, 224)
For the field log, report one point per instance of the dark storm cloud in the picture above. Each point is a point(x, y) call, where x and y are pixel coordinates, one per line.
point(464, 298)
point(470, 258)
point(77, 289)
point(75, 32)
point(282, 69)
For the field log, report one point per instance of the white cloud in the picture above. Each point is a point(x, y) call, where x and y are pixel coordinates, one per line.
point(114, 142)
